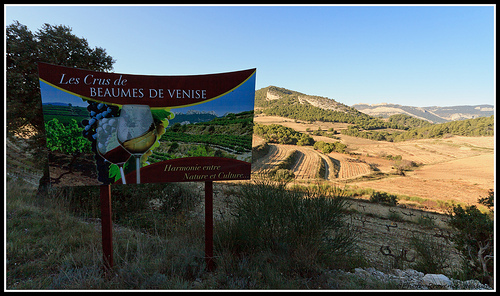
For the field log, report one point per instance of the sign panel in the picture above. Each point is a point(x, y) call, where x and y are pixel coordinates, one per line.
point(105, 128)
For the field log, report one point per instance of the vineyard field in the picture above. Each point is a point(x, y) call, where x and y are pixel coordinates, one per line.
point(307, 164)
point(277, 153)
point(65, 114)
point(234, 142)
point(309, 160)
point(304, 168)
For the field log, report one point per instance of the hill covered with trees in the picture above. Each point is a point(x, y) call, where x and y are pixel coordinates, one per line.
point(482, 126)
point(276, 101)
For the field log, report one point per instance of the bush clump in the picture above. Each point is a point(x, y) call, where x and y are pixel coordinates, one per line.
point(384, 198)
point(303, 228)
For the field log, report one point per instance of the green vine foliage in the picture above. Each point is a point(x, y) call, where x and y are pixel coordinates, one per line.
point(67, 139)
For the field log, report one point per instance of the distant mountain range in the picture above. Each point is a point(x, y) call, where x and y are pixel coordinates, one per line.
point(432, 114)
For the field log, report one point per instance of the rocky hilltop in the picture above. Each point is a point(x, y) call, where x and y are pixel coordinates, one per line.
point(271, 94)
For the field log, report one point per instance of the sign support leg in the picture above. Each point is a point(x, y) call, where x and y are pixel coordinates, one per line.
point(209, 226)
point(106, 227)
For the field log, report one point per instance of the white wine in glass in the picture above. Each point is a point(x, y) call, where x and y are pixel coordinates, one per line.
point(136, 132)
point(108, 146)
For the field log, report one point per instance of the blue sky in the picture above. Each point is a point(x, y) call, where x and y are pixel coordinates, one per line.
point(409, 55)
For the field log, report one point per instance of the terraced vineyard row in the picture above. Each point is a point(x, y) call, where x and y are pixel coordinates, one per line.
point(308, 161)
point(271, 159)
point(350, 167)
point(307, 164)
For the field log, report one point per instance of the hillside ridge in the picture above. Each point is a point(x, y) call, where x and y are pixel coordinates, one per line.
point(271, 95)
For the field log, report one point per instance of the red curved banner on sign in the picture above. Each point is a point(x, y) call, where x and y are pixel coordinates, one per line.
point(192, 169)
point(155, 91)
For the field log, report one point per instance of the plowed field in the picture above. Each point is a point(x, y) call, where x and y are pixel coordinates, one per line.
point(306, 164)
point(426, 151)
point(458, 169)
point(276, 154)
point(350, 167)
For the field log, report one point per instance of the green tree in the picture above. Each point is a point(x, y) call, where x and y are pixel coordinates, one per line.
point(474, 238)
point(305, 140)
point(24, 49)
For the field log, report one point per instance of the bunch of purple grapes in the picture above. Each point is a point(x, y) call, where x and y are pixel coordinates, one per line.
point(98, 111)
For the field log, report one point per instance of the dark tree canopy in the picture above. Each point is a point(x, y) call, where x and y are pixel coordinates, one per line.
point(24, 49)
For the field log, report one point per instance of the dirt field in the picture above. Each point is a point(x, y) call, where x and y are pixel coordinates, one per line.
point(455, 169)
point(298, 125)
point(458, 169)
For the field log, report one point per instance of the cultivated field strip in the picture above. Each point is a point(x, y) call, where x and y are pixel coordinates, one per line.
point(407, 153)
point(276, 154)
point(305, 167)
point(350, 167)
point(329, 167)
point(307, 164)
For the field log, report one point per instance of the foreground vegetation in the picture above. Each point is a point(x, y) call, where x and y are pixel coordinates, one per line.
point(270, 238)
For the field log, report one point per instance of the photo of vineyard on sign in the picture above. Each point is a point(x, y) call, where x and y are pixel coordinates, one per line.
point(109, 128)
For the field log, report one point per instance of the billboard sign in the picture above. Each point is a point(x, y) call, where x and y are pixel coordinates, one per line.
point(111, 128)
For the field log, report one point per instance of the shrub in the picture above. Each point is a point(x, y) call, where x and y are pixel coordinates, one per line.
point(283, 175)
point(431, 256)
point(304, 228)
point(426, 221)
point(384, 198)
point(131, 205)
point(474, 239)
point(327, 147)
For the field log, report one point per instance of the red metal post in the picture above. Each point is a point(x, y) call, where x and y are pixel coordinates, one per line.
point(106, 227)
point(209, 226)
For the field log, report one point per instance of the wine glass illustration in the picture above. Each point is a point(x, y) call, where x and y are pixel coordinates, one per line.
point(136, 132)
point(108, 146)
